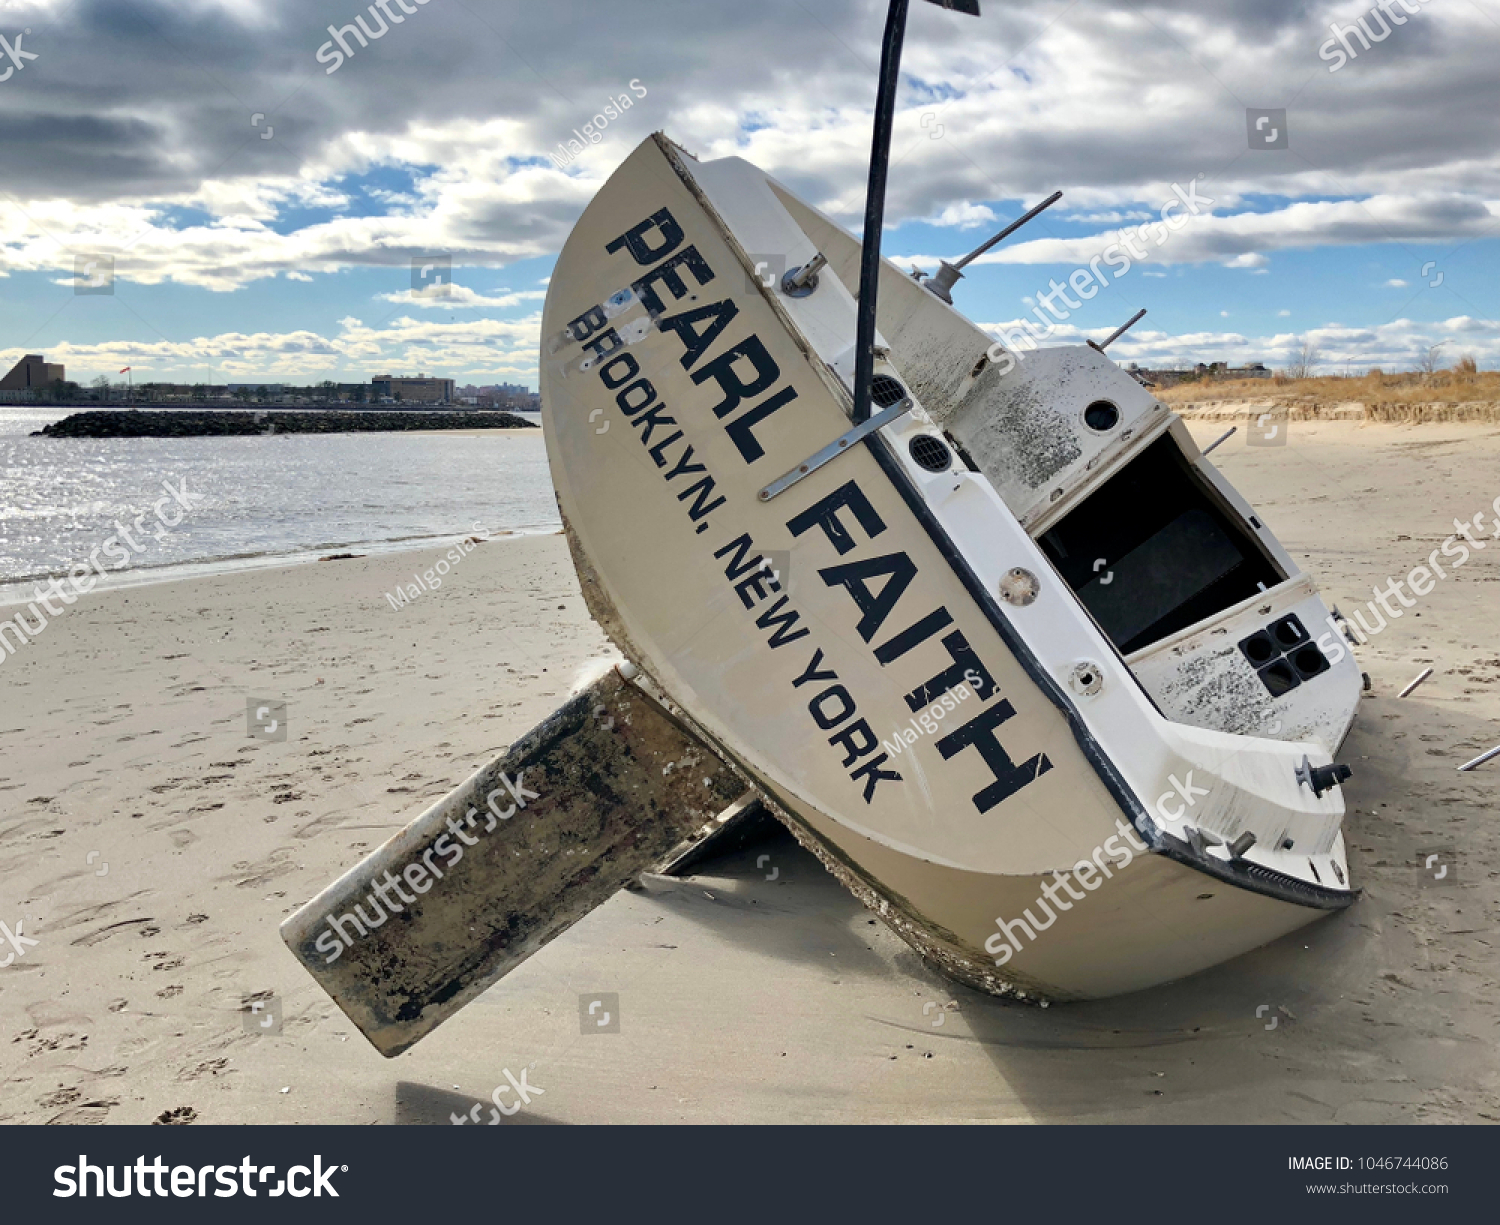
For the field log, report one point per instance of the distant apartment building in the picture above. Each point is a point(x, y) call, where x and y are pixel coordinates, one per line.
point(420, 390)
point(31, 374)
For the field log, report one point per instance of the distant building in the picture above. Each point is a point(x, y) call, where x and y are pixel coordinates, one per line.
point(274, 390)
point(32, 373)
point(420, 390)
point(517, 400)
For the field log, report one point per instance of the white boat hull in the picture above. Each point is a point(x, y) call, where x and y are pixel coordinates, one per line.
point(800, 634)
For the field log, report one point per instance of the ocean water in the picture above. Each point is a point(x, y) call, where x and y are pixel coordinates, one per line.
point(262, 500)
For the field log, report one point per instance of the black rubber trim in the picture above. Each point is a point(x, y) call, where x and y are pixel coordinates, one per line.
point(1254, 877)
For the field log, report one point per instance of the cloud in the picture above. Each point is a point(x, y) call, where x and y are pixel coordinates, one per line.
point(461, 297)
point(135, 134)
point(965, 215)
point(104, 155)
point(355, 352)
point(1399, 344)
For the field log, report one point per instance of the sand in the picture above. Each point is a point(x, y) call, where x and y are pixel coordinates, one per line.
point(756, 992)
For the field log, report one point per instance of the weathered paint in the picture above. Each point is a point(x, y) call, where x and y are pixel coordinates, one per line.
point(652, 294)
point(620, 786)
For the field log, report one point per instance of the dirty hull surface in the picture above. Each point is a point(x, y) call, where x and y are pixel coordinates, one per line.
point(598, 793)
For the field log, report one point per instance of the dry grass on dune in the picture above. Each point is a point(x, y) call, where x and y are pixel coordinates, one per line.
point(1459, 394)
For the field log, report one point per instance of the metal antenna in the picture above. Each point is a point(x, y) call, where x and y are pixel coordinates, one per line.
point(880, 158)
point(1120, 331)
point(947, 276)
point(1225, 437)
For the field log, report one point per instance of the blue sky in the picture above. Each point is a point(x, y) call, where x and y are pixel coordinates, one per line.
point(263, 213)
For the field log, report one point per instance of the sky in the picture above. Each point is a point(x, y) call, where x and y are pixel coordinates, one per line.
point(262, 197)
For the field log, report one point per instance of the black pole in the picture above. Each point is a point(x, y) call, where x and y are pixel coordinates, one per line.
point(880, 157)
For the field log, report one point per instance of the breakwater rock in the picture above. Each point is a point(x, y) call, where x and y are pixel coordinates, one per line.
point(136, 423)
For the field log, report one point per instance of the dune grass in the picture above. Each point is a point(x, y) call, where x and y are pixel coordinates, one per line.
point(1457, 394)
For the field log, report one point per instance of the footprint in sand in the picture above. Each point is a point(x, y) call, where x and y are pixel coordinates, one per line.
point(210, 1067)
point(86, 1113)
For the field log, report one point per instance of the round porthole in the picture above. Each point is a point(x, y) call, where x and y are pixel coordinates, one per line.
point(930, 452)
point(886, 391)
point(1101, 416)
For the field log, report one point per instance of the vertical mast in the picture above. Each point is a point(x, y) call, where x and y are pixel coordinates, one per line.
point(880, 157)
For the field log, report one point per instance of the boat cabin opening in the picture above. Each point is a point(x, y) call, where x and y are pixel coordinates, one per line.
point(1154, 550)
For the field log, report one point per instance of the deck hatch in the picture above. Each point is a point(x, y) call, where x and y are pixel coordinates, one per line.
point(1150, 552)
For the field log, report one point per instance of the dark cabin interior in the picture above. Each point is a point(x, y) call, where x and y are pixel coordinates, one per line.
point(1152, 551)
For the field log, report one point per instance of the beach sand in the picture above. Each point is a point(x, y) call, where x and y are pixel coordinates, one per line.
point(151, 847)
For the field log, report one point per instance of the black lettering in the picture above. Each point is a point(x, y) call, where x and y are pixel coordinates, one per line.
point(655, 452)
point(651, 420)
point(587, 323)
point(825, 515)
point(913, 636)
point(739, 430)
point(980, 733)
point(873, 774)
point(722, 371)
point(811, 673)
point(596, 346)
point(699, 493)
point(696, 341)
point(666, 273)
point(876, 607)
point(737, 566)
point(756, 585)
point(685, 466)
point(634, 238)
point(623, 399)
point(949, 678)
point(604, 370)
point(860, 727)
point(816, 706)
point(782, 623)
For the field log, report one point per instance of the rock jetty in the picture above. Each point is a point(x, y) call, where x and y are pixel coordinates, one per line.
point(135, 423)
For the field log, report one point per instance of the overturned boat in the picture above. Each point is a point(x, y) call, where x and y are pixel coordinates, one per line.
point(1114, 667)
point(1004, 649)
